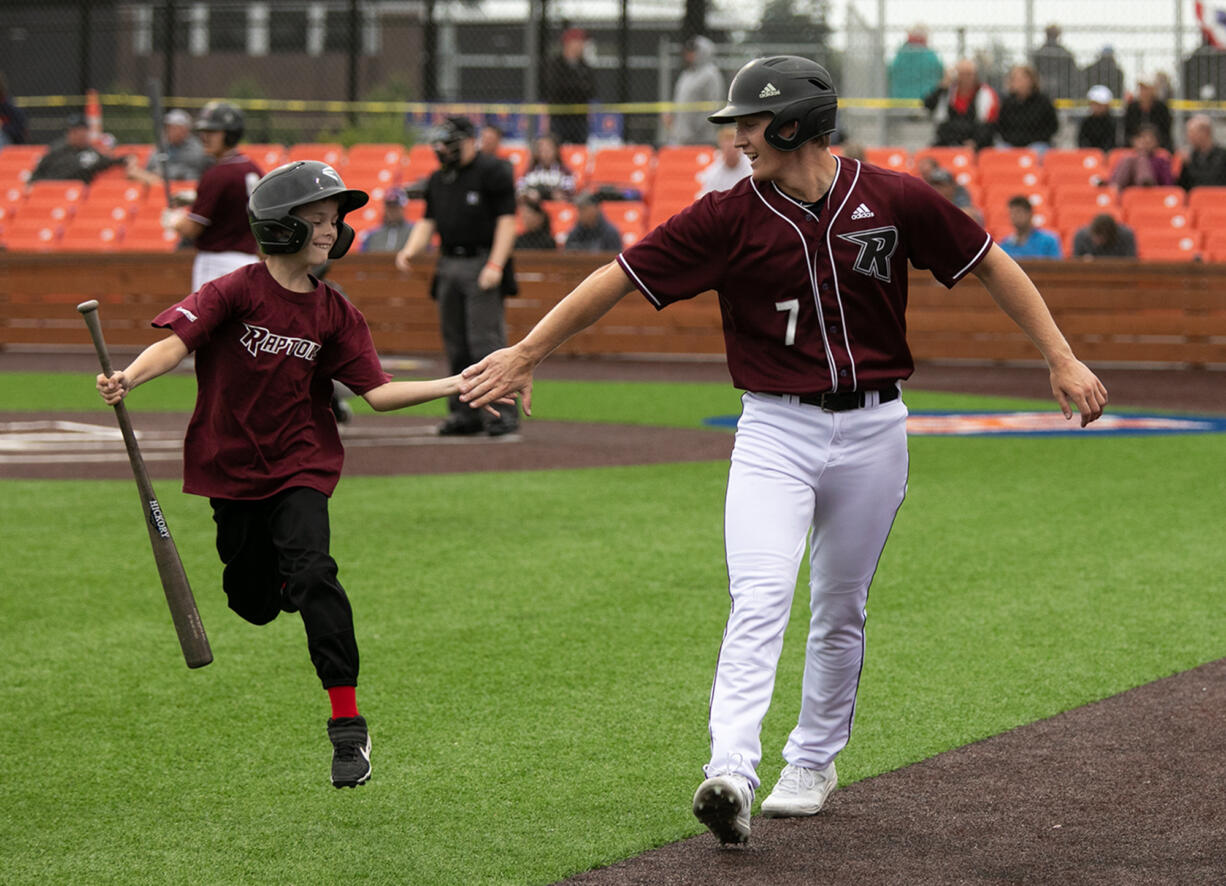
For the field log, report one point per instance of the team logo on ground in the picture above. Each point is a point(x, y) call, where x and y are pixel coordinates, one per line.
point(877, 247)
point(862, 211)
point(769, 91)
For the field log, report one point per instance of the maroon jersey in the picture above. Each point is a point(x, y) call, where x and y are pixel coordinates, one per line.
point(810, 302)
point(265, 361)
point(221, 205)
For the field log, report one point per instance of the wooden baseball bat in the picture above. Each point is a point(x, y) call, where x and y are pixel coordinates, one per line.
point(159, 133)
point(192, 639)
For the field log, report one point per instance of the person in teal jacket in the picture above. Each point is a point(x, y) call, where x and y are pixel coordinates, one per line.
point(1027, 241)
point(916, 69)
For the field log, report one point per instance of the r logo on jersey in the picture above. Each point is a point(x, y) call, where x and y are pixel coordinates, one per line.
point(877, 247)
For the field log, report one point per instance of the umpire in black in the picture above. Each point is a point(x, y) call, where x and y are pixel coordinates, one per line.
point(470, 201)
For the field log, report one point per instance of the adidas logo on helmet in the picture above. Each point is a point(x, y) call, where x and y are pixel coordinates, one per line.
point(768, 91)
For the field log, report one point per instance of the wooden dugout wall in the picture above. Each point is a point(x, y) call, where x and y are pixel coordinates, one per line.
point(1118, 312)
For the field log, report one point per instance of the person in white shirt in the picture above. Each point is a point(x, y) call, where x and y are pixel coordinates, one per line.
point(728, 168)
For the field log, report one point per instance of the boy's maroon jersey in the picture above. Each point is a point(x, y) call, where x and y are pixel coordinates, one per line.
point(265, 361)
point(221, 205)
point(831, 314)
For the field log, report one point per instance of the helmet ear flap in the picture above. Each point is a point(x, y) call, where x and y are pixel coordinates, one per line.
point(280, 236)
point(344, 239)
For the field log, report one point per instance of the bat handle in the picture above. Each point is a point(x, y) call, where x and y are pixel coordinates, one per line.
point(89, 311)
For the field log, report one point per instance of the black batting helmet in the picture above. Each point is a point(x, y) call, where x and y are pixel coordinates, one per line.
point(276, 195)
point(224, 117)
point(792, 88)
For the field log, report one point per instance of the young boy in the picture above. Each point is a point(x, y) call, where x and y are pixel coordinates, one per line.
point(263, 444)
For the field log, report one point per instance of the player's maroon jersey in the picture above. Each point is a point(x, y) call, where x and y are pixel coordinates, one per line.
point(221, 205)
point(265, 361)
point(810, 302)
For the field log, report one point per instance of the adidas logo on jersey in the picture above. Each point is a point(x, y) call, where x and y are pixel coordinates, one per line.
point(769, 91)
point(862, 211)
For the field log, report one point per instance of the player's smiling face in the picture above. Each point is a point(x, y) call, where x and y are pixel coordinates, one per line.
point(323, 217)
point(751, 139)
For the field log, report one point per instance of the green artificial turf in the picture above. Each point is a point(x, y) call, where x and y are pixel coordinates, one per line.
point(537, 654)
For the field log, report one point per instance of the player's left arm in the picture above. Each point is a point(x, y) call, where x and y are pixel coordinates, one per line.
point(1071, 380)
point(399, 394)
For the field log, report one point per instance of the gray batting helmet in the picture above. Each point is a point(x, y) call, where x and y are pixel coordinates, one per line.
point(276, 195)
point(221, 116)
point(793, 89)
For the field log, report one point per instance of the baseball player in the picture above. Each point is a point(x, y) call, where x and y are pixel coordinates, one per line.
point(809, 257)
point(269, 339)
point(217, 221)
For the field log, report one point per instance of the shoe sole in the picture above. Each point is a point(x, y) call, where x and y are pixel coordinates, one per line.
point(716, 806)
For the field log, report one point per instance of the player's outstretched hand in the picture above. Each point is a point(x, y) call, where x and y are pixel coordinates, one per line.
point(502, 374)
point(112, 389)
point(1073, 383)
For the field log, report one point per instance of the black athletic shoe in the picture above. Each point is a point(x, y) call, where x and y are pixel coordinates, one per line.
point(350, 751)
point(460, 426)
point(500, 427)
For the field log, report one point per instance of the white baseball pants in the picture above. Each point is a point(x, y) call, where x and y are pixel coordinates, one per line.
point(211, 265)
point(836, 479)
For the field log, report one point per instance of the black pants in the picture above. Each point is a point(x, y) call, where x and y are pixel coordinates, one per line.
point(276, 559)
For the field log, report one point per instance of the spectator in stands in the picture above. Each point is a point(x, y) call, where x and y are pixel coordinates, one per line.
point(1101, 129)
point(592, 231)
point(1204, 74)
point(185, 156)
point(1106, 71)
point(547, 174)
point(1147, 108)
point(1027, 116)
point(570, 80)
point(943, 181)
point(536, 231)
point(1104, 237)
point(915, 69)
point(699, 81)
point(729, 166)
point(73, 157)
point(1027, 241)
point(1147, 166)
point(1204, 162)
point(963, 108)
point(1056, 67)
point(490, 140)
point(393, 231)
point(12, 119)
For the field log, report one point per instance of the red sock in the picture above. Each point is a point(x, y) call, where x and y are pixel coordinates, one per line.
point(344, 701)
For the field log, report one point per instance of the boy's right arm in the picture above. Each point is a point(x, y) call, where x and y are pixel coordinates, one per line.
point(153, 361)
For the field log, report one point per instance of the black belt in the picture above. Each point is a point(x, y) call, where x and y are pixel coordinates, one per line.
point(841, 401)
point(464, 251)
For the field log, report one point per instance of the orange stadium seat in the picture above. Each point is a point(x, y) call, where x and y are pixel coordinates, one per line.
point(100, 211)
point(144, 233)
point(90, 235)
point(628, 216)
point(1214, 246)
point(1169, 197)
point(415, 210)
point(562, 215)
point(155, 198)
point(387, 155)
point(1210, 218)
point(1155, 217)
point(332, 153)
point(951, 158)
point(266, 156)
point(682, 161)
point(21, 156)
point(992, 160)
point(518, 157)
point(1206, 196)
point(63, 190)
point(577, 160)
point(365, 218)
point(628, 166)
point(114, 193)
point(1165, 244)
point(898, 159)
point(1083, 195)
point(1080, 159)
point(38, 237)
point(1013, 177)
point(662, 210)
point(419, 162)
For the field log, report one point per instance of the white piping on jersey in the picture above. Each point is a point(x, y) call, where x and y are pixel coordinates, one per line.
point(637, 282)
point(809, 264)
point(986, 246)
point(834, 271)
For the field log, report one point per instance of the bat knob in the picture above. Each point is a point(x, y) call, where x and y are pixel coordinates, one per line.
point(86, 306)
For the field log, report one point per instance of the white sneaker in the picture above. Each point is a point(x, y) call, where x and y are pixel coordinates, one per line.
point(800, 791)
point(722, 803)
